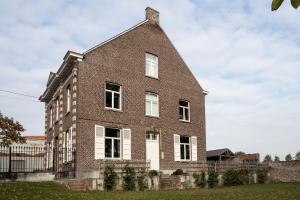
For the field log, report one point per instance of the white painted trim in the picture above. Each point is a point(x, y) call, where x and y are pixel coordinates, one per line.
point(120, 34)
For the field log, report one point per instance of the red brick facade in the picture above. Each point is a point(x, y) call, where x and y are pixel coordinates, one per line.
point(122, 61)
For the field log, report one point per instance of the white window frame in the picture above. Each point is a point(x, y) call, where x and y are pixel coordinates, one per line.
point(51, 117)
point(184, 110)
point(112, 97)
point(57, 110)
point(151, 65)
point(68, 99)
point(151, 114)
point(185, 144)
point(112, 144)
point(69, 141)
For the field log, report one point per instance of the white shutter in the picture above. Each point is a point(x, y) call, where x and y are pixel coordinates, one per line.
point(99, 142)
point(51, 155)
point(176, 147)
point(126, 144)
point(47, 155)
point(64, 146)
point(69, 145)
point(194, 148)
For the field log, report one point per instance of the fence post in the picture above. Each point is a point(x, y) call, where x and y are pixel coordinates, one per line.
point(9, 160)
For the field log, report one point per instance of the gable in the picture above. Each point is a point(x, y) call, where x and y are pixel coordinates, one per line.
point(146, 37)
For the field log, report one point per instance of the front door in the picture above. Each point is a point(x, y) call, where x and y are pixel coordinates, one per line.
point(152, 150)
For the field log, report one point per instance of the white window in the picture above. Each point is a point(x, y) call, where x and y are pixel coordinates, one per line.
point(152, 104)
point(151, 65)
point(184, 111)
point(112, 143)
point(57, 110)
point(51, 117)
point(68, 99)
point(113, 96)
point(185, 148)
point(69, 144)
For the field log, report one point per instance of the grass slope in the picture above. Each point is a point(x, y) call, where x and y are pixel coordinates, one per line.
point(52, 191)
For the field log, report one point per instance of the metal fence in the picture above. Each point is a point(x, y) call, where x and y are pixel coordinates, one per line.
point(30, 159)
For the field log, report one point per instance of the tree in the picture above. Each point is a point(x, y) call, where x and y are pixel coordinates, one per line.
point(297, 157)
point(268, 158)
point(288, 157)
point(10, 131)
point(277, 3)
point(276, 159)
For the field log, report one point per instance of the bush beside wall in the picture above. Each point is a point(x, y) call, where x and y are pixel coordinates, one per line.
point(212, 180)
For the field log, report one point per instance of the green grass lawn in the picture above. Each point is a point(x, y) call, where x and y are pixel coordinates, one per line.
point(53, 191)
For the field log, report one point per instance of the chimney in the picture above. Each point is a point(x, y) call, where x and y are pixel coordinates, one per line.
point(152, 15)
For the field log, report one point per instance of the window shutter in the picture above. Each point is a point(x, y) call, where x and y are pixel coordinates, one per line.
point(99, 142)
point(194, 148)
point(47, 155)
point(176, 147)
point(69, 144)
point(51, 155)
point(126, 144)
point(64, 146)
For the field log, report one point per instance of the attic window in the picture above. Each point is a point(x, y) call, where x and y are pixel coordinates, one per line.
point(151, 65)
point(113, 96)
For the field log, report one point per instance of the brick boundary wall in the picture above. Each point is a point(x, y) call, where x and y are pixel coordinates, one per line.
point(285, 171)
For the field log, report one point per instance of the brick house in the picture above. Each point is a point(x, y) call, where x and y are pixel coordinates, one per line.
point(129, 98)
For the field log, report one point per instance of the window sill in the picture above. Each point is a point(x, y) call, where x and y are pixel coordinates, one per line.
point(113, 109)
point(152, 77)
point(184, 161)
point(185, 121)
point(157, 117)
point(112, 159)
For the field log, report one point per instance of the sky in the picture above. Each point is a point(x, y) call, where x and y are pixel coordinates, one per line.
point(246, 56)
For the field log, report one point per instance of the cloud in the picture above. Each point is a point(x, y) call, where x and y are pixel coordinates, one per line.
point(244, 54)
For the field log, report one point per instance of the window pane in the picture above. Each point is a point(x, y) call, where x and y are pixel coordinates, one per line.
point(184, 139)
point(148, 136)
point(116, 101)
point(187, 150)
point(155, 109)
point(111, 132)
point(148, 107)
point(151, 65)
point(108, 145)
point(180, 113)
point(108, 99)
point(186, 114)
point(182, 152)
point(113, 87)
point(183, 103)
point(116, 148)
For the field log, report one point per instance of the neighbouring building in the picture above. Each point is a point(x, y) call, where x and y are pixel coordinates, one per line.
point(247, 158)
point(129, 98)
point(219, 155)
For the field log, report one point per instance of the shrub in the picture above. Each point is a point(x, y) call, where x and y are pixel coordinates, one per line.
point(262, 175)
point(178, 172)
point(200, 180)
point(244, 176)
point(128, 178)
point(236, 177)
point(142, 181)
point(109, 178)
point(212, 180)
point(151, 174)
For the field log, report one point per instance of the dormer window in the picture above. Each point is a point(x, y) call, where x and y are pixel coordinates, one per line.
point(151, 65)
